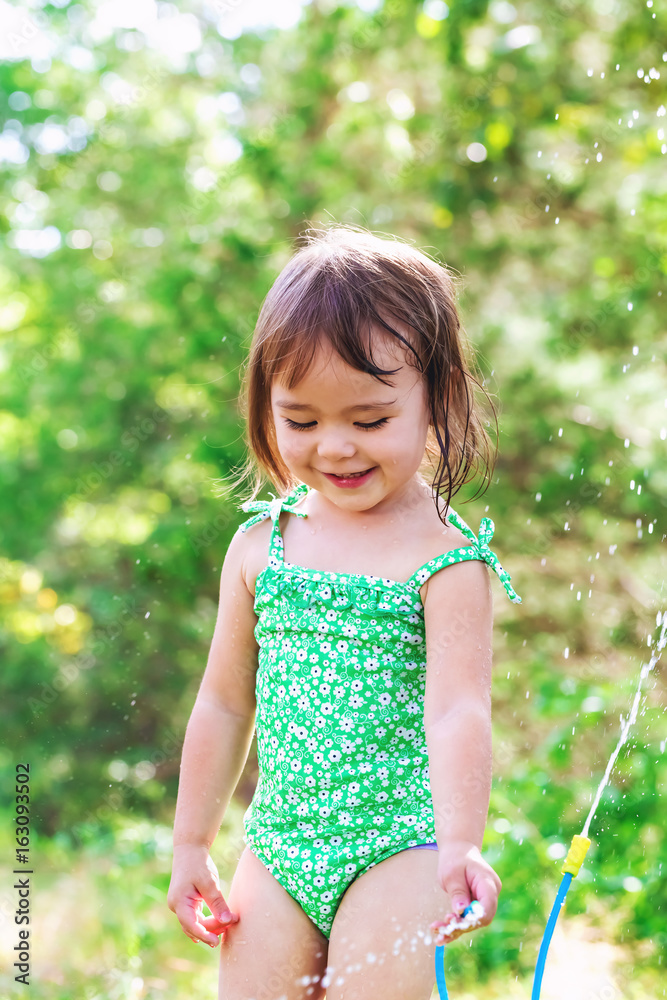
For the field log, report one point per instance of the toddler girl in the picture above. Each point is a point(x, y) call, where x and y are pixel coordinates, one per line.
point(363, 669)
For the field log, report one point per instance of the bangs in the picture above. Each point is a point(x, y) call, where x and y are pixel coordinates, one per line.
point(339, 319)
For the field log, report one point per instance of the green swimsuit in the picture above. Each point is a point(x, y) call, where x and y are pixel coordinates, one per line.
point(343, 763)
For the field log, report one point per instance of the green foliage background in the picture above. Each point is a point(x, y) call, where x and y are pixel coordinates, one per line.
point(121, 355)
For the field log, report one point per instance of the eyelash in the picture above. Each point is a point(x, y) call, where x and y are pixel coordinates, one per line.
point(365, 427)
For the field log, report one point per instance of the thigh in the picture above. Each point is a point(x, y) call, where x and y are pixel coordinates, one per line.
point(380, 941)
point(274, 952)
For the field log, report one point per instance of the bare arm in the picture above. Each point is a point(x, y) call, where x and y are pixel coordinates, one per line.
point(216, 745)
point(457, 719)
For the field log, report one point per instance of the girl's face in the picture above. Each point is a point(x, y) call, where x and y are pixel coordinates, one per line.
point(327, 425)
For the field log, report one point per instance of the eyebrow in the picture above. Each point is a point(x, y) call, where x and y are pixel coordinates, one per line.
point(286, 404)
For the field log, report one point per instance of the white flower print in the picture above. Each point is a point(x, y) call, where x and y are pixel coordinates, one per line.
point(373, 670)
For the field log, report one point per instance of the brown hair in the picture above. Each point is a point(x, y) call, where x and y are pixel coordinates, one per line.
point(340, 282)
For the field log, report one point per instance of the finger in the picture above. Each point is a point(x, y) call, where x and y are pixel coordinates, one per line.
point(193, 926)
point(215, 901)
point(459, 894)
point(217, 925)
point(487, 893)
point(446, 930)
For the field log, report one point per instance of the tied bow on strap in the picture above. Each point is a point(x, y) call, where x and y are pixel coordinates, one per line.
point(272, 508)
point(486, 529)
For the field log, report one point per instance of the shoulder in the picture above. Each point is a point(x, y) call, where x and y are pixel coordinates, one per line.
point(250, 547)
point(469, 574)
point(439, 539)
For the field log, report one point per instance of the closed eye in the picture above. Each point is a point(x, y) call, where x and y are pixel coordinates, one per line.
point(306, 427)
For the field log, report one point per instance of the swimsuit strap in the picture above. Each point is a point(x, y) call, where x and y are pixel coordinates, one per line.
point(272, 509)
point(478, 550)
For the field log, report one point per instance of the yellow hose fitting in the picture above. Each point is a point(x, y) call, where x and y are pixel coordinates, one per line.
point(575, 856)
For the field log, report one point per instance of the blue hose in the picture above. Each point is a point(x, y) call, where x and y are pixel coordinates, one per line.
point(440, 971)
point(546, 940)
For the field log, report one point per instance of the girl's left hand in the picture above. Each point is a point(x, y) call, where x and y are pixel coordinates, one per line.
point(465, 875)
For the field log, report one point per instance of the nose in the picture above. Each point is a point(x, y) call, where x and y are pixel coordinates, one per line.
point(334, 444)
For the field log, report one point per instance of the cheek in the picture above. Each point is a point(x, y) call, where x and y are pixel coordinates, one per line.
point(289, 445)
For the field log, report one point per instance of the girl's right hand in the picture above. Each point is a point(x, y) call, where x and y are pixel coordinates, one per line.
point(195, 881)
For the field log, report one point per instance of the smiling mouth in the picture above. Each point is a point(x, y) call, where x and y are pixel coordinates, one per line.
point(348, 475)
